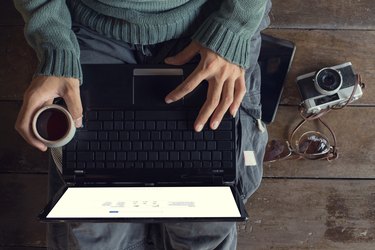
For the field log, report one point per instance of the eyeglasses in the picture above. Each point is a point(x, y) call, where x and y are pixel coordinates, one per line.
point(311, 145)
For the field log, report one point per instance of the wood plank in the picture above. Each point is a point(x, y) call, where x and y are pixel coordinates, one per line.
point(323, 14)
point(356, 144)
point(8, 14)
point(319, 48)
point(22, 198)
point(310, 214)
point(17, 65)
point(15, 154)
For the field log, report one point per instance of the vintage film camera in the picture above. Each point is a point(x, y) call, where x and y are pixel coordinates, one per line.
point(328, 87)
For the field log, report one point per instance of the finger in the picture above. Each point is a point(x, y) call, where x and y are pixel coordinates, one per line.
point(187, 86)
point(74, 104)
point(213, 99)
point(183, 56)
point(239, 93)
point(24, 123)
point(225, 103)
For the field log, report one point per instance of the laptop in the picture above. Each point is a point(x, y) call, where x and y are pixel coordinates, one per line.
point(138, 159)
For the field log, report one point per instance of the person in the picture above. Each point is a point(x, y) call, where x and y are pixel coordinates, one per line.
point(222, 36)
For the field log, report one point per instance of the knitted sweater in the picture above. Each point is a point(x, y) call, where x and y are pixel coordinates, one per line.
point(224, 26)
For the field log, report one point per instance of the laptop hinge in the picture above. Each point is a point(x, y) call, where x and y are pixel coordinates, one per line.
point(79, 177)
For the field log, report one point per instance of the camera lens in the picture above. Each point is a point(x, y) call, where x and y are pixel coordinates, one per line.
point(328, 81)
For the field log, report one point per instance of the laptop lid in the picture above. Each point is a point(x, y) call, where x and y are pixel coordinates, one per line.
point(275, 59)
point(145, 204)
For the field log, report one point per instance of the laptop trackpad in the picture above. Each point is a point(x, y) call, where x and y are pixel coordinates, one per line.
point(151, 86)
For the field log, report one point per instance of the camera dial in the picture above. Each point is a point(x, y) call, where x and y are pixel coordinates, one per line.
point(328, 81)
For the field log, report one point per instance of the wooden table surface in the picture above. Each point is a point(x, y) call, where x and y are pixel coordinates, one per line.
point(300, 204)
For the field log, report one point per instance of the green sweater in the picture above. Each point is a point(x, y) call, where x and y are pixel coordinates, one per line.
point(224, 26)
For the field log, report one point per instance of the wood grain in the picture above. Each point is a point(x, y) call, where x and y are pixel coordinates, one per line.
point(17, 64)
point(15, 154)
point(22, 197)
point(356, 144)
point(310, 214)
point(317, 49)
point(323, 14)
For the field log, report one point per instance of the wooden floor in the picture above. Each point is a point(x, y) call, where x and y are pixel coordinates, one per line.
point(300, 204)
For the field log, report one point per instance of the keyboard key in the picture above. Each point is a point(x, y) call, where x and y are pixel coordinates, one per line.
point(132, 156)
point(168, 164)
point(110, 156)
point(105, 115)
point(99, 165)
point(110, 165)
point(145, 135)
point(177, 164)
point(169, 145)
point(211, 145)
point(83, 145)
point(185, 156)
point(70, 156)
point(105, 145)
point(227, 164)
point(134, 136)
point(129, 115)
point(92, 115)
point(198, 136)
point(179, 145)
point(226, 125)
point(163, 156)
point(119, 164)
point(99, 156)
point(174, 156)
point(86, 135)
point(139, 125)
point(150, 125)
point(223, 135)
point(227, 155)
point(149, 164)
point(161, 125)
point(85, 156)
point(224, 145)
point(113, 136)
point(126, 146)
point(94, 125)
point(118, 116)
point(159, 164)
point(206, 164)
point(171, 125)
point(124, 135)
point(195, 155)
point(188, 164)
point(208, 135)
point(137, 145)
point(155, 135)
point(206, 156)
point(153, 156)
point(94, 146)
point(176, 135)
point(166, 135)
point(216, 156)
point(158, 145)
point(138, 164)
point(129, 164)
point(187, 135)
point(216, 164)
point(142, 156)
point(182, 125)
point(81, 165)
point(71, 146)
point(103, 136)
point(121, 156)
point(197, 164)
point(119, 125)
point(116, 146)
point(108, 125)
point(201, 145)
point(90, 164)
point(147, 145)
point(190, 145)
point(129, 125)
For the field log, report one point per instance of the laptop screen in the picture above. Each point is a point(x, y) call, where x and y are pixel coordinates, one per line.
point(145, 202)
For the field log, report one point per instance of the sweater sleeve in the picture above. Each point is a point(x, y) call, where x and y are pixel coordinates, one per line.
point(228, 30)
point(48, 31)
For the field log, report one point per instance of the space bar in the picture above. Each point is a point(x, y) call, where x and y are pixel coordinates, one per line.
point(162, 115)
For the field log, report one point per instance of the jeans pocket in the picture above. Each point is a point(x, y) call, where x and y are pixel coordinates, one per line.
point(252, 140)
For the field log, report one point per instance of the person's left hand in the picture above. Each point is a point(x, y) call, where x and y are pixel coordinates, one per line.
point(226, 84)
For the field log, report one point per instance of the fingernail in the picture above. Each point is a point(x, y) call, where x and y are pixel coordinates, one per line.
point(234, 114)
point(199, 127)
point(168, 59)
point(215, 125)
point(168, 101)
point(78, 122)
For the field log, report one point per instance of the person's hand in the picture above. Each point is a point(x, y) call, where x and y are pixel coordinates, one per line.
point(41, 92)
point(226, 84)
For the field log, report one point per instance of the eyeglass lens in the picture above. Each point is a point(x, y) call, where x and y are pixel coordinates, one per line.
point(276, 149)
point(313, 144)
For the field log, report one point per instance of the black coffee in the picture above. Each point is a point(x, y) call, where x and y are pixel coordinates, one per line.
point(52, 124)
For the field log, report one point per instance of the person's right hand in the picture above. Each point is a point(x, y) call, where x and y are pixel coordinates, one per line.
point(41, 92)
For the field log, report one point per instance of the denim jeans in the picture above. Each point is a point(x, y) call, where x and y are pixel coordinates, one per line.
point(251, 136)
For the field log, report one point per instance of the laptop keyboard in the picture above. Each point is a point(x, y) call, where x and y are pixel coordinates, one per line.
point(148, 139)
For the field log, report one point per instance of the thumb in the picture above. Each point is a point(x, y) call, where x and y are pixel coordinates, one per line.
point(74, 104)
point(185, 55)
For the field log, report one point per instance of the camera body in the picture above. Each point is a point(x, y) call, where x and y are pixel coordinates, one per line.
point(328, 87)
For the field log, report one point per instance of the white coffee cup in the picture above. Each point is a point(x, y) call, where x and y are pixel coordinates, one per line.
point(53, 125)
